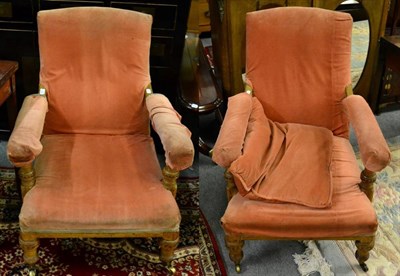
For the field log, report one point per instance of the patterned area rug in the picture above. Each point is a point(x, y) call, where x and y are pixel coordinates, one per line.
point(385, 257)
point(197, 253)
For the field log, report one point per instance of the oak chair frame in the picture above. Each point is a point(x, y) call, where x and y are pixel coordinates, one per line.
point(235, 242)
point(29, 240)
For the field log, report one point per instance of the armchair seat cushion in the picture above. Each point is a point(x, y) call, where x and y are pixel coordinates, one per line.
point(98, 182)
point(351, 213)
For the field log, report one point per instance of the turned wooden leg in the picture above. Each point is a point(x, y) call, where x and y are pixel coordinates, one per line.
point(235, 246)
point(364, 245)
point(169, 179)
point(168, 244)
point(29, 245)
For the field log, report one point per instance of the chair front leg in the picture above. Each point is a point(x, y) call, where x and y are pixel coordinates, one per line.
point(29, 245)
point(235, 248)
point(168, 244)
point(364, 245)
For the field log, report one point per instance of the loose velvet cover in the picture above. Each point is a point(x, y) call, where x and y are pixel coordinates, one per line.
point(95, 65)
point(98, 182)
point(298, 62)
point(284, 163)
point(351, 213)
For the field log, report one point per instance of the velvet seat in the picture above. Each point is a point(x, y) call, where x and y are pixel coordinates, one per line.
point(290, 168)
point(88, 164)
point(351, 213)
point(72, 161)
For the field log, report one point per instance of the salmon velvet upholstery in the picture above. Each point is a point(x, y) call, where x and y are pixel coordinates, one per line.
point(351, 213)
point(292, 136)
point(374, 150)
point(298, 70)
point(98, 171)
point(95, 182)
point(229, 144)
point(179, 151)
point(284, 162)
point(98, 69)
point(24, 144)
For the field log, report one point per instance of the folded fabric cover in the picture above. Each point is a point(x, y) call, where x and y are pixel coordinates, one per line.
point(283, 162)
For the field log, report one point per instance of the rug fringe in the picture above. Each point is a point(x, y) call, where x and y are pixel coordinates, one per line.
point(312, 261)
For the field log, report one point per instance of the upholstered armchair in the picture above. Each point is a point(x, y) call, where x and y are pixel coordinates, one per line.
point(291, 170)
point(87, 162)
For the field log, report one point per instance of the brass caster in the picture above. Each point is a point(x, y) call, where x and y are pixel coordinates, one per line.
point(364, 267)
point(237, 268)
point(171, 270)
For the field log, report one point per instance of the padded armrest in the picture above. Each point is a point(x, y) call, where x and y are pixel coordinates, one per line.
point(175, 137)
point(24, 143)
point(229, 144)
point(375, 153)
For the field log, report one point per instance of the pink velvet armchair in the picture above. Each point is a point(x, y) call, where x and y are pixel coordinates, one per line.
point(291, 170)
point(87, 162)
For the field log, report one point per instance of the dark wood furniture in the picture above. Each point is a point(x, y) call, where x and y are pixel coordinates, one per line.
point(389, 70)
point(199, 17)
point(18, 38)
point(8, 94)
point(199, 91)
point(228, 33)
point(393, 19)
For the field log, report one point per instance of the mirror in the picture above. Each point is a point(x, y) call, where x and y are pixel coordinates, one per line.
point(360, 37)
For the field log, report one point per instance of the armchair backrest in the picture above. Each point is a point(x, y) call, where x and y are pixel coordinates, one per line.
point(94, 64)
point(298, 62)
